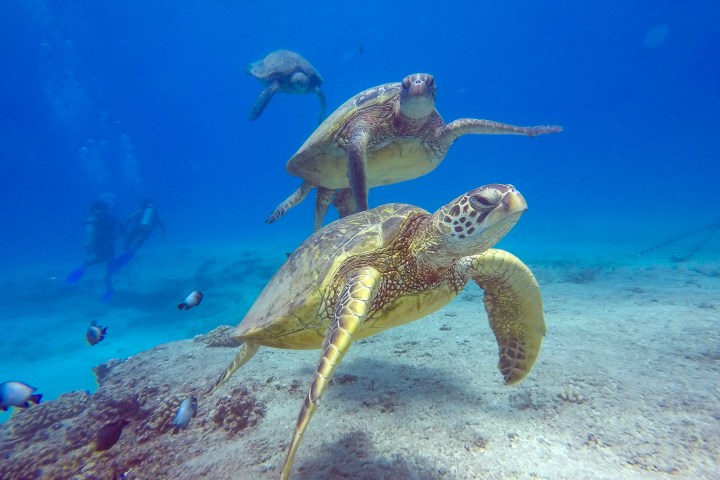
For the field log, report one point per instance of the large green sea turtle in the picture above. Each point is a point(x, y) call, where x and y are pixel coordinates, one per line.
point(287, 72)
point(388, 266)
point(384, 135)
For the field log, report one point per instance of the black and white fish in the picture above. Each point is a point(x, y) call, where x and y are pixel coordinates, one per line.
point(95, 333)
point(17, 394)
point(186, 411)
point(192, 300)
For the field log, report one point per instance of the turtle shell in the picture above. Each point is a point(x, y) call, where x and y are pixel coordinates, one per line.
point(282, 64)
point(322, 158)
point(286, 314)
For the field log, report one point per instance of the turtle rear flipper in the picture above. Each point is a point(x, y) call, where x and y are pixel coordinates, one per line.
point(323, 198)
point(514, 307)
point(294, 199)
point(247, 351)
point(344, 202)
point(263, 100)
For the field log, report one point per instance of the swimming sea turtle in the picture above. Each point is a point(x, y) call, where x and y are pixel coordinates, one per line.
point(384, 135)
point(287, 72)
point(388, 266)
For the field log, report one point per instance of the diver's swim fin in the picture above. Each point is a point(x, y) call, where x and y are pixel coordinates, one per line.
point(76, 275)
point(120, 261)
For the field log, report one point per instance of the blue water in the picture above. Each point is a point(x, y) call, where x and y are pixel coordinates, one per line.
point(151, 99)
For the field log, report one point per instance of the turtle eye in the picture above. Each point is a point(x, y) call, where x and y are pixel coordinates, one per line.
point(429, 81)
point(406, 83)
point(485, 200)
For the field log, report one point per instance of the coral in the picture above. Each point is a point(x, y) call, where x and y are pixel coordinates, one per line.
point(344, 378)
point(102, 410)
point(386, 403)
point(102, 370)
point(71, 465)
point(56, 439)
point(238, 411)
point(525, 399)
point(296, 388)
point(572, 395)
point(35, 420)
point(218, 337)
point(20, 468)
point(162, 416)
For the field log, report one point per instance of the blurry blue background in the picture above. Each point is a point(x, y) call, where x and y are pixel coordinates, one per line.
point(151, 98)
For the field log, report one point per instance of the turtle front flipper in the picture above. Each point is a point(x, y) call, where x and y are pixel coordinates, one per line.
point(297, 197)
point(514, 307)
point(357, 166)
point(353, 305)
point(263, 100)
point(473, 126)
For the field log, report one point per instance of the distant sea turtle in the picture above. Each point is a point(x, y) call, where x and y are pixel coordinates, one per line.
point(388, 266)
point(384, 135)
point(287, 72)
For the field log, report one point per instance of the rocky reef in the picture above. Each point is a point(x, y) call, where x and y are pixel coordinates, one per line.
point(57, 439)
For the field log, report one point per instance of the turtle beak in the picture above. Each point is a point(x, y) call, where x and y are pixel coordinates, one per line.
point(418, 95)
point(420, 85)
point(513, 201)
point(417, 88)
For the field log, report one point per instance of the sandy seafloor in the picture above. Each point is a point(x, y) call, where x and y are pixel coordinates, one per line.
point(626, 386)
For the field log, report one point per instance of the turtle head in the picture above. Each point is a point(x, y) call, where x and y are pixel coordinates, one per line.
point(417, 97)
point(299, 81)
point(478, 219)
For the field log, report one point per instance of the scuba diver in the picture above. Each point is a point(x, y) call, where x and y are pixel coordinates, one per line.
point(138, 227)
point(101, 230)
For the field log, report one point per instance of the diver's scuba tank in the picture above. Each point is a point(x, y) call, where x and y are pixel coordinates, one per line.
point(95, 223)
point(90, 231)
point(148, 215)
point(92, 224)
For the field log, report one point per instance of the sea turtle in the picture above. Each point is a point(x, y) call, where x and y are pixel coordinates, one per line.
point(384, 135)
point(288, 72)
point(388, 266)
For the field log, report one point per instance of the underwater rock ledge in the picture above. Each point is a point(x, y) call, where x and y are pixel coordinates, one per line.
point(58, 438)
